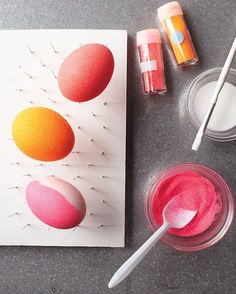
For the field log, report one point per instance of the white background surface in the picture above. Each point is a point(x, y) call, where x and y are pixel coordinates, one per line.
point(103, 183)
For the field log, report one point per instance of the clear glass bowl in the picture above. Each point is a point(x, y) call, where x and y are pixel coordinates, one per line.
point(201, 80)
point(218, 228)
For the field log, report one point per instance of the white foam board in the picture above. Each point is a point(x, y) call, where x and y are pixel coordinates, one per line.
point(101, 177)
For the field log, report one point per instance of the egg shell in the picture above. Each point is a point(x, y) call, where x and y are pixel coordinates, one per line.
point(43, 134)
point(56, 202)
point(86, 72)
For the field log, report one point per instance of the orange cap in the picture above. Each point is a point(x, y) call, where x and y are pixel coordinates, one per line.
point(168, 10)
point(148, 36)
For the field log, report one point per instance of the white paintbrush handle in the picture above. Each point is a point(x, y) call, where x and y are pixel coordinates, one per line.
point(225, 69)
point(219, 85)
point(138, 256)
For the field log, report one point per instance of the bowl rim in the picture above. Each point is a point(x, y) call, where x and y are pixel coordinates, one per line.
point(213, 135)
point(229, 217)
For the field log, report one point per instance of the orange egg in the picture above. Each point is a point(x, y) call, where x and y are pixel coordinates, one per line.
point(42, 134)
point(86, 72)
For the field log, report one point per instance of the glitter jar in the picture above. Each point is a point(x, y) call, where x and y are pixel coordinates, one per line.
point(178, 36)
point(151, 61)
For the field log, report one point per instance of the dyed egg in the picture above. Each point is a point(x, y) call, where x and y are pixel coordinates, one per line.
point(56, 202)
point(42, 134)
point(86, 72)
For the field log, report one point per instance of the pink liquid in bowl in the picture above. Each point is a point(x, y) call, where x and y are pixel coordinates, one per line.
point(197, 193)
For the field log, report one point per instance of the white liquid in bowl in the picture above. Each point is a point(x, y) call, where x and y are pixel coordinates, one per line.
point(224, 115)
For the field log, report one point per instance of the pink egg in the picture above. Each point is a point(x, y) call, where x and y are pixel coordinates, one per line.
point(86, 72)
point(56, 203)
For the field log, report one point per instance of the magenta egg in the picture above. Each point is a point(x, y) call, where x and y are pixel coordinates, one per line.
point(56, 202)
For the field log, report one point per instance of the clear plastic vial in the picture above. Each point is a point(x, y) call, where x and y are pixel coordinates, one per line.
point(151, 61)
point(176, 30)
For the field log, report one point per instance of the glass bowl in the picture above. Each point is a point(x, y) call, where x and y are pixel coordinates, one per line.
point(201, 80)
point(218, 228)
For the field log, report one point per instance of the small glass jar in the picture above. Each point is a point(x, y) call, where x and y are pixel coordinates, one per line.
point(151, 61)
point(176, 30)
point(229, 111)
point(217, 229)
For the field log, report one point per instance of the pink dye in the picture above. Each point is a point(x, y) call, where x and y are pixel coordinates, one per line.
point(197, 193)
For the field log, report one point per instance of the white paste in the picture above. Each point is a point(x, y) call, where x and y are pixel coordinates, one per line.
point(224, 115)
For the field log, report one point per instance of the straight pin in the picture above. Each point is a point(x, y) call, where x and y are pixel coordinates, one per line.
point(31, 102)
point(77, 177)
point(75, 152)
point(28, 75)
point(44, 90)
point(40, 164)
point(53, 101)
point(26, 175)
point(53, 48)
point(93, 114)
point(90, 164)
point(14, 163)
point(55, 76)
point(100, 226)
point(102, 201)
point(27, 225)
point(65, 164)
point(102, 153)
point(14, 187)
point(30, 50)
point(11, 215)
point(19, 90)
point(104, 103)
point(75, 228)
point(42, 63)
